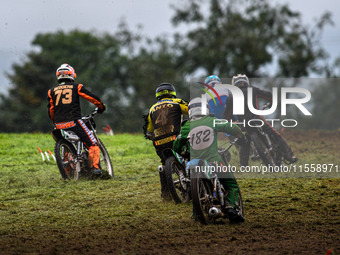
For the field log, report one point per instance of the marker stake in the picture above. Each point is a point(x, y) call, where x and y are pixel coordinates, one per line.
point(51, 155)
point(42, 154)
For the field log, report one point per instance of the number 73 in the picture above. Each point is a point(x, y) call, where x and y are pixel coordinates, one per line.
point(67, 96)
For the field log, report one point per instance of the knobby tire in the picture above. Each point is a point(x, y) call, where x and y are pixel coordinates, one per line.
point(65, 167)
point(105, 158)
point(171, 167)
point(262, 150)
point(201, 194)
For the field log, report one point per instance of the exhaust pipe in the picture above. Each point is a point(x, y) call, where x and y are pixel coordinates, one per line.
point(214, 212)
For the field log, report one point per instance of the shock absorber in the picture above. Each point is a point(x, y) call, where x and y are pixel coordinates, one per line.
point(215, 184)
point(220, 193)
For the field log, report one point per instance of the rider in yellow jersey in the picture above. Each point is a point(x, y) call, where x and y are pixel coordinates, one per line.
point(163, 124)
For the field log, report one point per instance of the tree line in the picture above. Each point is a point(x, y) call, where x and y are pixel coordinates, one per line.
point(124, 68)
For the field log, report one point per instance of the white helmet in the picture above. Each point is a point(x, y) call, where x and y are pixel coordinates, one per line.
point(65, 71)
point(240, 80)
point(195, 108)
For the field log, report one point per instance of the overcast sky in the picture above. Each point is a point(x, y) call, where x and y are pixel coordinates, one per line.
point(21, 20)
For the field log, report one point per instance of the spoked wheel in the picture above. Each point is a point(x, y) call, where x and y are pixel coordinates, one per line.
point(262, 150)
point(202, 198)
point(104, 160)
point(176, 180)
point(66, 157)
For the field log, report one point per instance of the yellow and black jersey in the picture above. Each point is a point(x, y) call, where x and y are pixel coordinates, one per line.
point(164, 119)
point(63, 101)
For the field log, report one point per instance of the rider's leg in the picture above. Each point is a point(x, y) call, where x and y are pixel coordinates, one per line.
point(90, 142)
point(94, 154)
point(229, 183)
point(231, 209)
point(165, 193)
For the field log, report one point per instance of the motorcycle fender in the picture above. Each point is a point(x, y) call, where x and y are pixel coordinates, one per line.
point(56, 134)
point(177, 157)
point(166, 153)
point(204, 167)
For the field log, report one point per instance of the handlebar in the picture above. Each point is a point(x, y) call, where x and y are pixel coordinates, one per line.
point(267, 105)
point(91, 115)
point(231, 143)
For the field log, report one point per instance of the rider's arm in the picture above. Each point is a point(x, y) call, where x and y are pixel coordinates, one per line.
point(150, 125)
point(50, 106)
point(263, 93)
point(89, 96)
point(228, 112)
point(182, 139)
point(178, 144)
point(183, 104)
point(233, 130)
point(146, 133)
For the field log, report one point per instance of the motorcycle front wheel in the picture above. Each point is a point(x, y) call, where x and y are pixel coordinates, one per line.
point(202, 198)
point(66, 157)
point(262, 150)
point(176, 181)
point(104, 159)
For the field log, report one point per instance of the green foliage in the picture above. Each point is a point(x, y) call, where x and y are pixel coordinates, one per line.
point(245, 36)
point(125, 68)
point(118, 68)
point(326, 108)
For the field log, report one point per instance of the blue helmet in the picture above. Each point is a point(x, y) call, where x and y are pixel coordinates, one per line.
point(212, 80)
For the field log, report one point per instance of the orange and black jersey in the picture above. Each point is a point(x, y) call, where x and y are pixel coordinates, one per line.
point(63, 101)
point(165, 117)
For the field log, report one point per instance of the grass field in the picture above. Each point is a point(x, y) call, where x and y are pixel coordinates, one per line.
point(42, 214)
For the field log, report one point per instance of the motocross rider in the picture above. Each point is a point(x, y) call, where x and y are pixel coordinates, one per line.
point(201, 131)
point(163, 124)
point(241, 81)
point(64, 110)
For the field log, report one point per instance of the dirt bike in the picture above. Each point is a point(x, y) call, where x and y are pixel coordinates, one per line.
point(263, 146)
point(72, 155)
point(177, 178)
point(208, 195)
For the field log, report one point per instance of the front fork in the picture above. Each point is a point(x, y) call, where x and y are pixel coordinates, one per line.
point(79, 159)
point(267, 140)
point(217, 192)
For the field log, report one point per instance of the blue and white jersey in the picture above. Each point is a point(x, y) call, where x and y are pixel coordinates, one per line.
point(214, 103)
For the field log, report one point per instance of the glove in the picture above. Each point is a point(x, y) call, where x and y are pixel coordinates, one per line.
point(149, 135)
point(185, 153)
point(242, 140)
point(102, 110)
point(267, 106)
